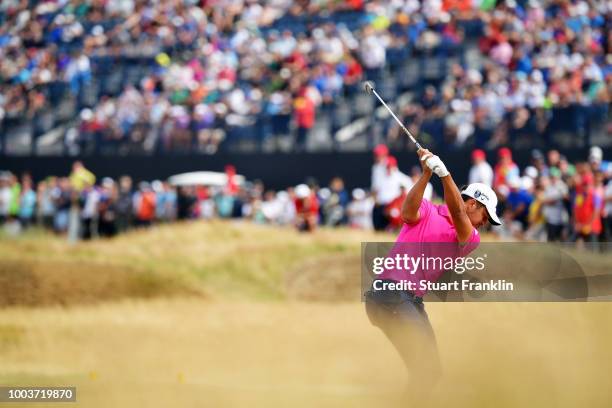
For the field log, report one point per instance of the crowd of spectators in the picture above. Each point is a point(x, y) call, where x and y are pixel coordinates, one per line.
point(549, 200)
point(207, 72)
point(540, 56)
point(81, 206)
point(207, 66)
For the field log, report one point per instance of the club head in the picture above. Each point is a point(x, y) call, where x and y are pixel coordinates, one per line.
point(368, 86)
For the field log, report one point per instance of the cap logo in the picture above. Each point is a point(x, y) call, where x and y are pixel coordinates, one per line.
point(481, 195)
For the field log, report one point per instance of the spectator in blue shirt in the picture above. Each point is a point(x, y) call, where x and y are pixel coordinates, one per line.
point(27, 202)
point(518, 202)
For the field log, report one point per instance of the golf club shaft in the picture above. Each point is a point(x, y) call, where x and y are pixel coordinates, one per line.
point(399, 122)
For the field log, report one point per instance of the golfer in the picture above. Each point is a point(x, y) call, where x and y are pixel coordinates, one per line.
point(400, 314)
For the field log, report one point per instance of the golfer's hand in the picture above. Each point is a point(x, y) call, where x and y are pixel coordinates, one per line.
point(435, 164)
point(425, 154)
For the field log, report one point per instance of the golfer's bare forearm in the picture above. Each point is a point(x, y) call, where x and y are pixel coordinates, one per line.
point(456, 208)
point(410, 206)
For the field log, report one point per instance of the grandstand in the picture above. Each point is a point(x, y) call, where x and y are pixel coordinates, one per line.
point(142, 77)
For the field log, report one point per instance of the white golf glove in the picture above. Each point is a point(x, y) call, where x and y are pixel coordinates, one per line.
point(436, 165)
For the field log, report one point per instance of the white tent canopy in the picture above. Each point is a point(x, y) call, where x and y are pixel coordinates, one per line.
point(203, 178)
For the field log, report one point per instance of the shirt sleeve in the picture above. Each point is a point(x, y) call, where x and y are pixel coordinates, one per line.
point(471, 244)
point(424, 211)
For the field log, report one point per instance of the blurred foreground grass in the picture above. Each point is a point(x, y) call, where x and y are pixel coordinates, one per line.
point(217, 314)
point(217, 259)
point(198, 353)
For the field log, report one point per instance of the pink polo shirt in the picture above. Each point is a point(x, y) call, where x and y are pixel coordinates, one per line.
point(433, 235)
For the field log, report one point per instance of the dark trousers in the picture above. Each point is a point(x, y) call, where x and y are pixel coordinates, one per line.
point(47, 221)
point(107, 228)
point(87, 225)
point(402, 318)
point(142, 223)
point(124, 222)
point(302, 136)
point(607, 229)
point(379, 219)
point(25, 222)
point(554, 233)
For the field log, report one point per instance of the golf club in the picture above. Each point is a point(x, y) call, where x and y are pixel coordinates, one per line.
point(369, 88)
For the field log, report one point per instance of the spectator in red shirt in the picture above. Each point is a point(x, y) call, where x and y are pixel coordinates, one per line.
point(587, 208)
point(393, 211)
point(457, 5)
point(144, 205)
point(354, 72)
point(304, 109)
point(306, 208)
point(231, 188)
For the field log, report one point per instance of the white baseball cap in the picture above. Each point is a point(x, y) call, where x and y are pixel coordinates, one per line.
point(595, 154)
point(302, 191)
point(486, 196)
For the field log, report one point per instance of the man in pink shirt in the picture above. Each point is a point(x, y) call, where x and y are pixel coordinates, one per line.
point(453, 230)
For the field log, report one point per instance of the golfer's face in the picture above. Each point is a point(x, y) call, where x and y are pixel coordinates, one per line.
point(477, 214)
